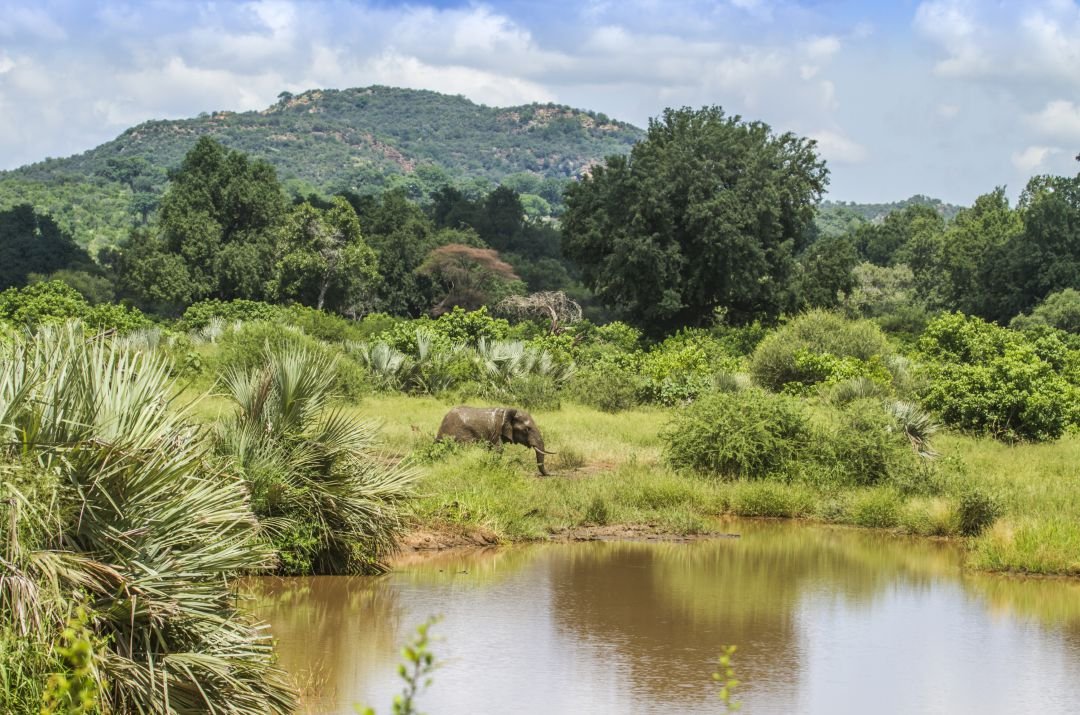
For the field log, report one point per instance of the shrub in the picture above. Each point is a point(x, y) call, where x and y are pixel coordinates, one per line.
point(1059, 310)
point(199, 315)
point(990, 380)
point(815, 346)
point(245, 349)
point(308, 467)
point(682, 367)
point(864, 446)
point(751, 434)
point(320, 324)
point(112, 494)
point(109, 316)
point(975, 511)
point(596, 512)
point(45, 302)
point(875, 509)
point(609, 388)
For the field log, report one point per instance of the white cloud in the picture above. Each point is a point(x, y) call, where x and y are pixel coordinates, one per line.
point(6, 63)
point(1032, 158)
point(1059, 119)
point(947, 110)
point(822, 48)
point(485, 87)
point(836, 147)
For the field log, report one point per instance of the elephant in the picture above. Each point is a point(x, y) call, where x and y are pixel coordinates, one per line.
point(496, 426)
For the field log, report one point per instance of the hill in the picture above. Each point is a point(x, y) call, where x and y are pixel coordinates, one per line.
point(836, 218)
point(362, 139)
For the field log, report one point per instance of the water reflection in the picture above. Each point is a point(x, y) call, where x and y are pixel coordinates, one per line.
point(827, 620)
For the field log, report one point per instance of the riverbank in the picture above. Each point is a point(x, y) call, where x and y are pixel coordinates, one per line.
point(609, 475)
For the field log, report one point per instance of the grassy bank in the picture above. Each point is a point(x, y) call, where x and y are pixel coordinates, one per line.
point(609, 470)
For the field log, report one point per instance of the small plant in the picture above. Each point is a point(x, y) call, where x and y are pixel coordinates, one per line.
point(76, 690)
point(416, 670)
point(975, 511)
point(597, 512)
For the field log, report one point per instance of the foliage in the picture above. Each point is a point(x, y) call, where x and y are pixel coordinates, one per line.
point(244, 348)
point(109, 493)
point(708, 211)
point(325, 262)
point(865, 445)
point(468, 277)
point(33, 243)
point(1059, 310)
point(751, 434)
point(198, 315)
point(992, 380)
point(826, 272)
point(328, 504)
point(78, 689)
point(976, 510)
point(416, 671)
point(608, 387)
point(816, 347)
point(47, 302)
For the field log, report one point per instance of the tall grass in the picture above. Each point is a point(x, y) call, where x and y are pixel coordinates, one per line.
point(111, 502)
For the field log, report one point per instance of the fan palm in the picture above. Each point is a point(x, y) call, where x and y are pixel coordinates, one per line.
point(111, 500)
point(330, 504)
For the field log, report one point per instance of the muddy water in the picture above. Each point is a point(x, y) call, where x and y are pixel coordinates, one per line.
point(826, 621)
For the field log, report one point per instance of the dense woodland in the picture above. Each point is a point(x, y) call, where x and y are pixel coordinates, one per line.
point(815, 354)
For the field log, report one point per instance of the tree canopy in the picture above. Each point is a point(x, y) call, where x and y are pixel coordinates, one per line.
point(708, 212)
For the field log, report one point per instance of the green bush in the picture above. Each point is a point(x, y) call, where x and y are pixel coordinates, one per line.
point(596, 512)
point(322, 325)
point(875, 509)
point(199, 315)
point(609, 388)
point(770, 499)
point(817, 346)
point(245, 349)
point(121, 318)
point(1059, 310)
point(751, 433)
point(46, 302)
point(975, 511)
point(864, 446)
point(990, 380)
point(681, 368)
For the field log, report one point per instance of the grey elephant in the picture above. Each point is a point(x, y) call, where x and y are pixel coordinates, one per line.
point(496, 426)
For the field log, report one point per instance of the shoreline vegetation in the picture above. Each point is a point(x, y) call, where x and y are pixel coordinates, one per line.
point(252, 381)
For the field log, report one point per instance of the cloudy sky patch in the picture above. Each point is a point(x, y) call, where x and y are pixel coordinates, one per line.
point(942, 97)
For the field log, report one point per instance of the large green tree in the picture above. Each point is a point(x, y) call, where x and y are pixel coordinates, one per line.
point(220, 213)
point(707, 212)
point(325, 262)
point(32, 243)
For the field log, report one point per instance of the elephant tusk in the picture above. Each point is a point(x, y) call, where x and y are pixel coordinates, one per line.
point(544, 452)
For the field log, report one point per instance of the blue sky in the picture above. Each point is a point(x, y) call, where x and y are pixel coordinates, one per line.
point(942, 97)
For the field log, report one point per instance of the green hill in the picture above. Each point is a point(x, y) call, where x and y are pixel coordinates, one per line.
point(836, 218)
point(363, 139)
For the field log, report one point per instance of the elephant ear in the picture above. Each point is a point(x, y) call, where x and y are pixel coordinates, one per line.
point(507, 428)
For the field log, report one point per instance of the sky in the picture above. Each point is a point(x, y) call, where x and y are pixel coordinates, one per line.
point(948, 98)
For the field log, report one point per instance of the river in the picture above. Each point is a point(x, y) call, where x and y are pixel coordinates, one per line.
point(826, 620)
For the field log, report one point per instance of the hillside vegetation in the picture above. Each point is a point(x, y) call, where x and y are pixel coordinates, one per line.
point(362, 139)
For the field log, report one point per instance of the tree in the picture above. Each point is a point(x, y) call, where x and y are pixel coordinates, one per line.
point(970, 241)
point(325, 262)
point(468, 277)
point(32, 243)
point(219, 214)
point(827, 272)
point(553, 306)
point(1042, 259)
point(708, 211)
